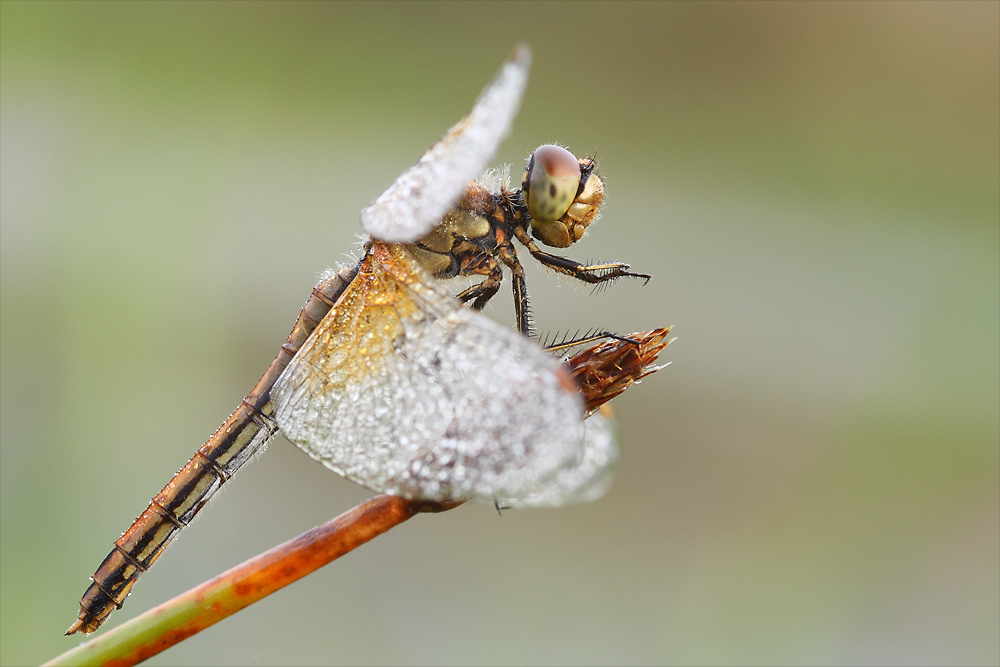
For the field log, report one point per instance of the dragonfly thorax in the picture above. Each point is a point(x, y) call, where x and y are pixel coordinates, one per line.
point(468, 237)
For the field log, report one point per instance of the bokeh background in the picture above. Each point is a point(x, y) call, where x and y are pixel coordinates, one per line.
point(814, 186)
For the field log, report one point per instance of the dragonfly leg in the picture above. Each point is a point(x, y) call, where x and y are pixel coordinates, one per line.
point(591, 337)
point(522, 309)
point(588, 273)
point(480, 294)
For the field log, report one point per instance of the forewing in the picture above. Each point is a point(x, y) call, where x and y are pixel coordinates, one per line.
point(405, 391)
point(417, 200)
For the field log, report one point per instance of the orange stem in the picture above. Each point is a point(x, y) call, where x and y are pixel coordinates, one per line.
point(205, 605)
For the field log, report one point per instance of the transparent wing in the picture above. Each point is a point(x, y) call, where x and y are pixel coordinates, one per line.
point(417, 200)
point(405, 391)
point(588, 478)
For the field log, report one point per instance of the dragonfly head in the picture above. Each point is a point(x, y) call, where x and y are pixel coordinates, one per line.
point(562, 193)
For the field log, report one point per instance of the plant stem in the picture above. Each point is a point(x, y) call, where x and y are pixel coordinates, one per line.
point(207, 604)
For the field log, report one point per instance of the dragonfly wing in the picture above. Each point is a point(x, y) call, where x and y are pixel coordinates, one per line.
point(417, 200)
point(588, 479)
point(405, 391)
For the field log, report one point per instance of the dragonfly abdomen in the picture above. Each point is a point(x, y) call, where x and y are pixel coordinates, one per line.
point(242, 435)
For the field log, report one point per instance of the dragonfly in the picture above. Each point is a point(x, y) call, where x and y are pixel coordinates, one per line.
point(392, 382)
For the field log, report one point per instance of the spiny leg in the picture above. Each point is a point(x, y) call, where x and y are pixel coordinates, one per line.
point(592, 337)
point(481, 293)
point(522, 309)
point(588, 273)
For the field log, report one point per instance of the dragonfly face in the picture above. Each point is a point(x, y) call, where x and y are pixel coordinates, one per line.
point(562, 194)
point(391, 382)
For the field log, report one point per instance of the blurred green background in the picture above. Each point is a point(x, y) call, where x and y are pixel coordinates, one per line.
point(814, 186)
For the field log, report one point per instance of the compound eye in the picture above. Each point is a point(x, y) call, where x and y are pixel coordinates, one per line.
point(550, 183)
